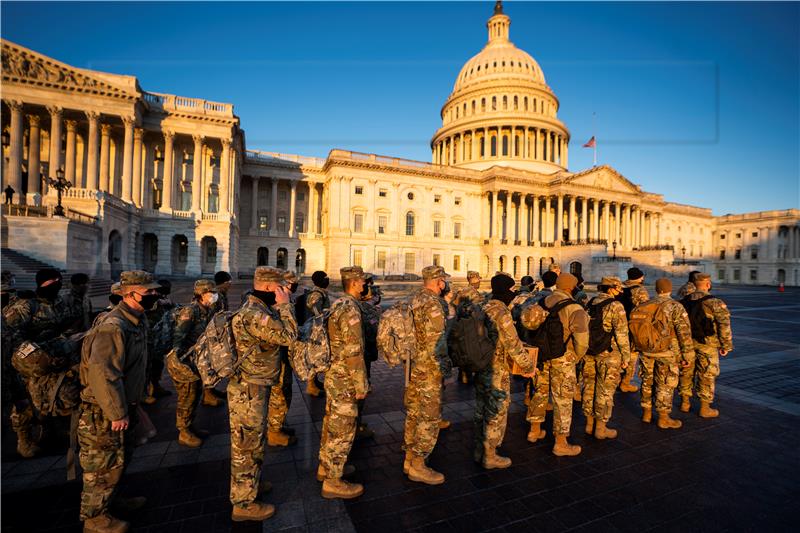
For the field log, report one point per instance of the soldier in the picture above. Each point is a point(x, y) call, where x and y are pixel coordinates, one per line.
point(77, 306)
point(493, 385)
point(112, 372)
point(263, 324)
point(155, 358)
point(558, 375)
point(471, 293)
point(708, 348)
point(423, 394)
point(660, 370)
point(190, 323)
point(548, 285)
point(280, 395)
point(370, 318)
point(525, 293)
point(601, 372)
point(633, 294)
point(345, 384)
point(317, 302)
point(223, 281)
point(688, 287)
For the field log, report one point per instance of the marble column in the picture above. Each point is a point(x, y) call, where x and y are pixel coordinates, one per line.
point(559, 222)
point(56, 115)
point(225, 177)
point(136, 168)
point(525, 226)
point(15, 150)
point(127, 159)
point(547, 221)
point(312, 207)
point(535, 212)
point(273, 215)
point(292, 208)
point(584, 232)
point(617, 215)
point(34, 149)
point(168, 187)
point(92, 148)
point(506, 215)
point(492, 217)
point(105, 157)
point(572, 213)
point(197, 168)
point(254, 207)
point(69, 155)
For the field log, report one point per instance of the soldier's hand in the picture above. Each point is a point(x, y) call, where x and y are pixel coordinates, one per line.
point(624, 366)
point(281, 295)
point(723, 353)
point(121, 424)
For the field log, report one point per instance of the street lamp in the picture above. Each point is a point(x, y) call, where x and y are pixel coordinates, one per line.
point(60, 184)
point(683, 253)
point(614, 248)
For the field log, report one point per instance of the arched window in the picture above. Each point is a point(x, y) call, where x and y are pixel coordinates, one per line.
point(494, 146)
point(525, 103)
point(262, 257)
point(505, 144)
point(505, 102)
point(516, 145)
point(281, 258)
point(473, 107)
point(410, 223)
point(483, 104)
point(483, 146)
point(516, 102)
point(494, 103)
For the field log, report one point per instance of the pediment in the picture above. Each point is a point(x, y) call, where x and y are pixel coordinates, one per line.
point(605, 178)
point(24, 66)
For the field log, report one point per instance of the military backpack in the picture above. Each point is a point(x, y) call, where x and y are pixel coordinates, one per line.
point(214, 355)
point(311, 352)
point(599, 338)
point(50, 373)
point(300, 311)
point(650, 328)
point(164, 331)
point(468, 342)
point(396, 337)
point(549, 337)
point(702, 324)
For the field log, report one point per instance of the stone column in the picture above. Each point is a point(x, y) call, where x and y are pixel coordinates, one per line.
point(273, 215)
point(254, 207)
point(547, 222)
point(69, 159)
point(535, 212)
point(617, 215)
point(197, 167)
point(136, 169)
point(571, 229)
point(225, 177)
point(127, 159)
point(593, 229)
point(312, 208)
point(559, 222)
point(105, 156)
point(584, 231)
point(565, 155)
point(658, 229)
point(93, 145)
point(56, 114)
point(15, 150)
point(507, 216)
point(34, 149)
point(167, 184)
point(292, 208)
point(492, 219)
point(525, 236)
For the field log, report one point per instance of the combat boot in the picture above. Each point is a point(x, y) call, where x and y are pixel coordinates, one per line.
point(25, 445)
point(601, 431)
point(444, 424)
point(407, 461)
point(626, 385)
point(665, 422)
point(686, 405)
point(105, 523)
point(536, 432)
point(562, 448)
point(278, 438)
point(706, 411)
point(647, 414)
point(187, 438)
point(256, 511)
point(590, 425)
point(348, 470)
point(312, 389)
point(338, 488)
point(419, 471)
point(210, 399)
point(491, 460)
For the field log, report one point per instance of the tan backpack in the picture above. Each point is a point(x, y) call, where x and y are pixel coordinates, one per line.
point(650, 328)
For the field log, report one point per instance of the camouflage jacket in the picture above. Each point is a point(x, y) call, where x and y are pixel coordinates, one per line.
point(77, 312)
point(521, 299)
point(575, 321)
point(36, 319)
point(430, 327)
point(615, 321)
point(469, 293)
point(509, 348)
point(190, 323)
point(222, 302)
point(317, 301)
point(639, 293)
point(114, 360)
point(347, 373)
point(259, 332)
point(682, 345)
point(716, 310)
point(686, 289)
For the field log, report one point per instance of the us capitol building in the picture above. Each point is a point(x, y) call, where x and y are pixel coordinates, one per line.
point(166, 183)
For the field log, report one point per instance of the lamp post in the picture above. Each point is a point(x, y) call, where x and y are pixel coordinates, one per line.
point(683, 253)
point(60, 184)
point(614, 248)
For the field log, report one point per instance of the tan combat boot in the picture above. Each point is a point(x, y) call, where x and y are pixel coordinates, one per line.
point(256, 511)
point(348, 470)
point(105, 523)
point(444, 424)
point(536, 432)
point(706, 411)
point(25, 445)
point(576, 396)
point(278, 438)
point(338, 488)
point(491, 460)
point(685, 404)
point(312, 389)
point(187, 438)
point(210, 399)
point(589, 429)
point(562, 448)
point(407, 462)
point(604, 432)
point(419, 471)
point(647, 414)
point(626, 385)
point(665, 422)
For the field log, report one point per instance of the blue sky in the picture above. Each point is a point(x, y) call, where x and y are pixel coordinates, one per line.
point(696, 101)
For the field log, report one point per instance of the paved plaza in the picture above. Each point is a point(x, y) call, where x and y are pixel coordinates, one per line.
point(738, 472)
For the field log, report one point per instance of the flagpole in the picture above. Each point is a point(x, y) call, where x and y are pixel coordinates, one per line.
point(594, 135)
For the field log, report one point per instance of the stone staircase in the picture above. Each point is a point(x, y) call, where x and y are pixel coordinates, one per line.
point(22, 266)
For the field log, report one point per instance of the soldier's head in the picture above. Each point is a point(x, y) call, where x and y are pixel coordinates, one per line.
point(692, 275)
point(223, 281)
point(549, 279)
point(502, 284)
point(435, 279)
point(474, 279)
point(8, 287)
point(610, 285)
point(369, 283)
point(320, 279)
point(635, 275)
point(138, 289)
point(79, 283)
point(165, 287)
point(566, 282)
point(526, 281)
point(115, 297)
point(555, 267)
point(702, 282)
point(48, 283)
point(663, 287)
point(352, 280)
point(292, 279)
point(205, 292)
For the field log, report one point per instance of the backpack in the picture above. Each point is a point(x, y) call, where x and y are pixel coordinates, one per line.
point(549, 338)
point(214, 355)
point(396, 339)
point(57, 393)
point(300, 308)
point(626, 299)
point(599, 338)
point(311, 352)
point(702, 325)
point(50, 372)
point(650, 328)
point(370, 321)
point(468, 341)
point(164, 331)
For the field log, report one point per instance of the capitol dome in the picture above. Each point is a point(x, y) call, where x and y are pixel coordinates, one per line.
point(501, 111)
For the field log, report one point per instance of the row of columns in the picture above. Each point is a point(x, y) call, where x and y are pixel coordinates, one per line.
point(314, 201)
point(535, 144)
point(529, 220)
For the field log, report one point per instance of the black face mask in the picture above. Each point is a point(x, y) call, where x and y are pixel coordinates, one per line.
point(50, 292)
point(446, 289)
point(268, 297)
point(149, 301)
point(293, 287)
point(114, 299)
point(325, 283)
point(504, 297)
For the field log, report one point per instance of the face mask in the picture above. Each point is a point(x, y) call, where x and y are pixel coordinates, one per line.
point(325, 283)
point(446, 289)
point(50, 292)
point(268, 297)
point(114, 299)
point(365, 291)
point(212, 299)
point(148, 301)
point(293, 287)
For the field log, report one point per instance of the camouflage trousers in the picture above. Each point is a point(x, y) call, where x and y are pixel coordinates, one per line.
point(661, 374)
point(22, 417)
point(492, 398)
point(338, 427)
point(601, 376)
point(701, 374)
point(247, 404)
point(186, 404)
point(557, 376)
point(104, 455)
point(423, 402)
point(687, 376)
point(629, 372)
point(280, 398)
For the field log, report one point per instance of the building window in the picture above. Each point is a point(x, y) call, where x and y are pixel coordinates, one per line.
point(457, 230)
point(281, 222)
point(301, 196)
point(437, 198)
point(357, 256)
point(359, 189)
point(382, 193)
point(437, 228)
point(411, 262)
point(211, 251)
point(457, 201)
point(156, 198)
point(737, 275)
point(754, 275)
point(754, 234)
point(457, 263)
point(722, 237)
point(410, 224)
point(381, 260)
point(282, 196)
point(738, 254)
point(358, 223)
point(410, 196)
point(300, 223)
point(754, 252)
point(494, 147)
point(186, 201)
point(213, 202)
point(505, 144)
point(437, 260)
point(738, 235)
point(721, 274)
point(722, 255)
point(382, 224)
point(263, 222)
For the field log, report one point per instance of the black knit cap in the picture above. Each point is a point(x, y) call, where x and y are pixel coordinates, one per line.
point(318, 277)
point(635, 273)
point(549, 278)
point(526, 280)
point(47, 274)
point(502, 283)
point(222, 277)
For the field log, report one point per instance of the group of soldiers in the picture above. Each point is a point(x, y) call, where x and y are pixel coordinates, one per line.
point(125, 349)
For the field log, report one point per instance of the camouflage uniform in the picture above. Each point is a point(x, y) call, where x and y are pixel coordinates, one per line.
point(280, 396)
point(112, 372)
point(660, 370)
point(601, 373)
point(704, 368)
point(259, 332)
point(686, 289)
point(77, 312)
point(317, 301)
point(559, 374)
point(155, 360)
point(344, 380)
point(639, 295)
point(190, 323)
point(493, 385)
point(423, 395)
